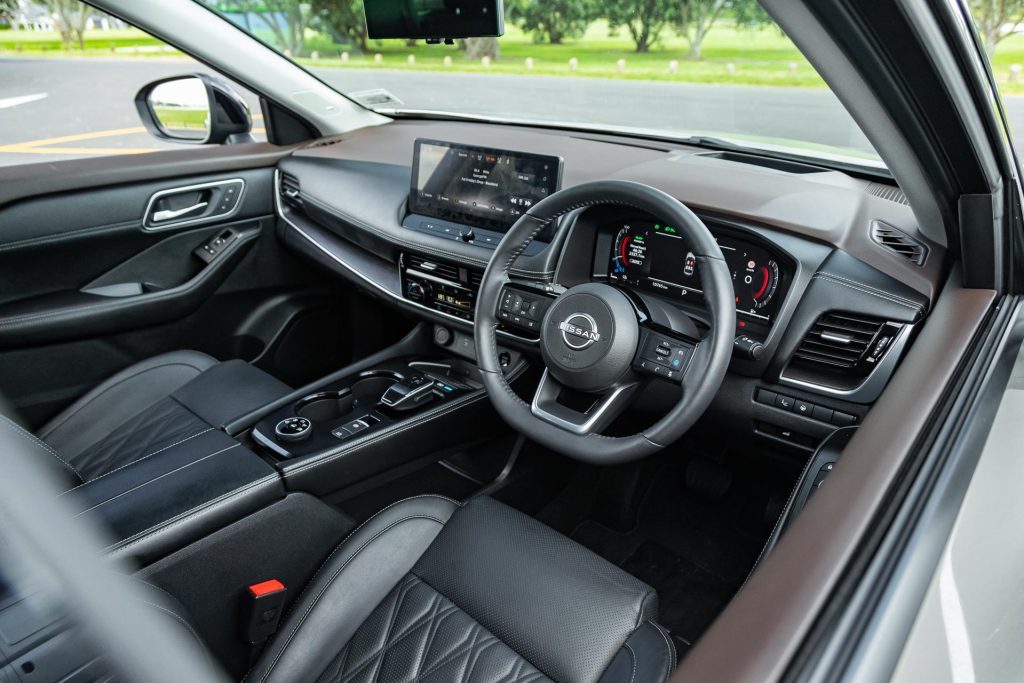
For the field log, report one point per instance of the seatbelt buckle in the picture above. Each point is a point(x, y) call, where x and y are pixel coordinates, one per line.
point(262, 606)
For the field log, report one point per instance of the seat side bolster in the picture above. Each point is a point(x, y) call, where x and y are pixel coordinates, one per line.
point(647, 656)
point(353, 580)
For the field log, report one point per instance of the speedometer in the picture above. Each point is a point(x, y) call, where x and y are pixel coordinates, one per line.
point(629, 254)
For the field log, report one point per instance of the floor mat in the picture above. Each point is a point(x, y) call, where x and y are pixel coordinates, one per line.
point(695, 551)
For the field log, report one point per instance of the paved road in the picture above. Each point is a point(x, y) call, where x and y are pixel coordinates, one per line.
point(58, 109)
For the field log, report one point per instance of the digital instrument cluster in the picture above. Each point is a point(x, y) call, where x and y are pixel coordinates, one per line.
point(654, 256)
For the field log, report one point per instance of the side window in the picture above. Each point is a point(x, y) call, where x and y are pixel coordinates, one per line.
point(70, 77)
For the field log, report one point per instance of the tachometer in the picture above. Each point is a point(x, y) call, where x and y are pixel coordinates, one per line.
point(763, 280)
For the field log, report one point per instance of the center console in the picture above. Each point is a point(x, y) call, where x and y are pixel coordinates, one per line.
point(368, 402)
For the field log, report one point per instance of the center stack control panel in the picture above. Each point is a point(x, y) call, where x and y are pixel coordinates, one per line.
point(441, 286)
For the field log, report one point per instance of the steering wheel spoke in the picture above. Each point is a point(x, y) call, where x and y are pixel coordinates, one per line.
point(578, 412)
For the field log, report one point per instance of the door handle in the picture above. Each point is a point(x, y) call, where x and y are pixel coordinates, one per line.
point(168, 214)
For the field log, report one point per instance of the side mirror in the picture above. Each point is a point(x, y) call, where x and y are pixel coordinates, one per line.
point(197, 109)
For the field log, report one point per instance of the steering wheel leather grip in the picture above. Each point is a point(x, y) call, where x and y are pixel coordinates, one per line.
point(701, 377)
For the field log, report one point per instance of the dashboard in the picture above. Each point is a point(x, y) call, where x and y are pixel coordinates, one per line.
point(391, 208)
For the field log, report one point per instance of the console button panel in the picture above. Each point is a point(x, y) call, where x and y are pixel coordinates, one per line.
point(804, 408)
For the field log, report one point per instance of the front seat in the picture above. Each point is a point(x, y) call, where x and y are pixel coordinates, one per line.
point(431, 590)
point(150, 407)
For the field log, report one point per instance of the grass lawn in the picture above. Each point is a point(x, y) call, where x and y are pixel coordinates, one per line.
point(761, 56)
point(731, 56)
point(105, 43)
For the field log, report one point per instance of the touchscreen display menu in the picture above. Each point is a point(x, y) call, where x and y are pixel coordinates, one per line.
point(486, 188)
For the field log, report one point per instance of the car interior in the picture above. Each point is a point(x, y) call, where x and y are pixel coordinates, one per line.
point(452, 400)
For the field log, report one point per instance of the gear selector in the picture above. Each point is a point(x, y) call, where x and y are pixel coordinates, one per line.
point(409, 393)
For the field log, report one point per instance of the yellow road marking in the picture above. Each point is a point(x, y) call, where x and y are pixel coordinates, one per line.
point(82, 136)
point(99, 151)
point(43, 146)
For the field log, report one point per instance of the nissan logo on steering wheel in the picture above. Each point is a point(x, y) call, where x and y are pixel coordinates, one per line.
point(579, 331)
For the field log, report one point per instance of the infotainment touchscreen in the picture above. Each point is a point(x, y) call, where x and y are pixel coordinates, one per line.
point(478, 186)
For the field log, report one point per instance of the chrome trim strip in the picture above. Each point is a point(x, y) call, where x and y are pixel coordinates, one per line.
point(871, 388)
point(151, 227)
point(581, 428)
point(376, 285)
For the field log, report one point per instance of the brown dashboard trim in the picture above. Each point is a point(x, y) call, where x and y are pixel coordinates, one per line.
point(775, 610)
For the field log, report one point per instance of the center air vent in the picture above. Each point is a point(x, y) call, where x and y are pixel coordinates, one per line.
point(899, 242)
point(843, 346)
point(290, 189)
point(434, 268)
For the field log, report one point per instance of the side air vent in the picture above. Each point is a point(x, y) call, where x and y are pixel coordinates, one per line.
point(432, 267)
point(290, 191)
point(841, 352)
point(889, 192)
point(838, 340)
point(899, 242)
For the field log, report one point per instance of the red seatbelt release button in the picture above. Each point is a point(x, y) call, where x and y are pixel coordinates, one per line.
point(262, 606)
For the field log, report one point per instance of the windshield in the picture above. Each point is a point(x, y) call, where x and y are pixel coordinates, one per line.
point(667, 68)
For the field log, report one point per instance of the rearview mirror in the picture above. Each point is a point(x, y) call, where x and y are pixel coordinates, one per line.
point(434, 20)
point(197, 109)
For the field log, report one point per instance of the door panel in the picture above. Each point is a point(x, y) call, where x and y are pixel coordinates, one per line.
point(88, 288)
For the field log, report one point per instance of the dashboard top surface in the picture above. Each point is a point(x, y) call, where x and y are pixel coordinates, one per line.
point(364, 176)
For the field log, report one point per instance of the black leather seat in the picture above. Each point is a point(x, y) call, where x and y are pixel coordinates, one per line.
point(431, 590)
point(149, 407)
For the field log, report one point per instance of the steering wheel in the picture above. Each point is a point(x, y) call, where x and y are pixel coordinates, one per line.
point(598, 343)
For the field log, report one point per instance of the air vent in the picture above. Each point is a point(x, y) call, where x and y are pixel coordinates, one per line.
point(841, 349)
point(889, 192)
point(838, 340)
point(475, 279)
point(899, 242)
point(290, 189)
point(432, 267)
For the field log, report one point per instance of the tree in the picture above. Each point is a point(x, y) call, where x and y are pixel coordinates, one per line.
point(71, 18)
point(343, 20)
point(553, 21)
point(7, 10)
point(997, 19)
point(477, 48)
point(644, 19)
point(696, 17)
point(286, 19)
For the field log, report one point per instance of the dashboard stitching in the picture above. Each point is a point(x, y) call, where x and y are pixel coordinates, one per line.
point(411, 245)
point(824, 274)
point(866, 290)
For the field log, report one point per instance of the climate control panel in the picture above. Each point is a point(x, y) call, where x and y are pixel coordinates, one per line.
point(441, 286)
